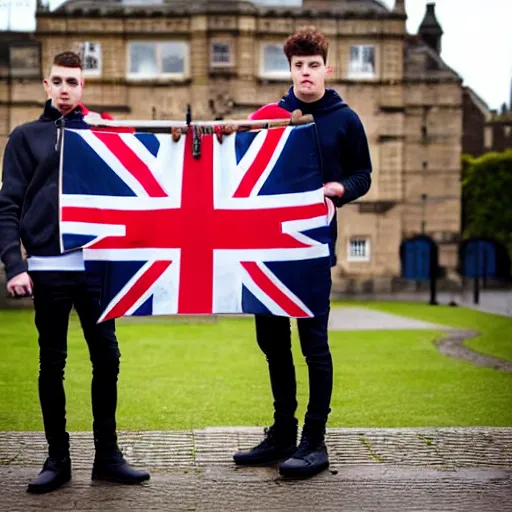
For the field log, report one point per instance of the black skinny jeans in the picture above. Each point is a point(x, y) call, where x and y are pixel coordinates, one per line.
point(55, 294)
point(274, 338)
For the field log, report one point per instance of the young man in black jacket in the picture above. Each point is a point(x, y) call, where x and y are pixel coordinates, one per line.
point(58, 282)
point(346, 169)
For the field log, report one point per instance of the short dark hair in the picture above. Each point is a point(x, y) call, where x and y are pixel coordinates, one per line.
point(306, 42)
point(68, 60)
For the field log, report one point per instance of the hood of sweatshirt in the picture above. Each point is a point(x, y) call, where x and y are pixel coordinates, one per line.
point(330, 102)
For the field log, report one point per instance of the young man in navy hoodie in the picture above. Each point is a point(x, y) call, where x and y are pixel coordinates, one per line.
point(346, 169)
point(29, 211)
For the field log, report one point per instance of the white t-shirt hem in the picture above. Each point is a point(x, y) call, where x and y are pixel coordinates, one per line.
point(73, 261)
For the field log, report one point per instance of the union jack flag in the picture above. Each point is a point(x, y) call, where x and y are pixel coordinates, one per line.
point(242, 229)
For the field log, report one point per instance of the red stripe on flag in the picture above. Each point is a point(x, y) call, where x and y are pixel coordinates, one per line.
point(260, 163)
point(196, 263)
point(133, 164)
point(139, 288)
point(269, 288)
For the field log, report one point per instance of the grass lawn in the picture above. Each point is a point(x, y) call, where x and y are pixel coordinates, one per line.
point(178, 376)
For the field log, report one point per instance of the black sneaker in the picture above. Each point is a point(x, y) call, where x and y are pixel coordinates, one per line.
point(114, 468)
point(55, 473)
point(310, 458)
point(279, 444)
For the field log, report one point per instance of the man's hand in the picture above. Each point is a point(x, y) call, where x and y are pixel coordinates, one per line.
point(333, 188)
point(20, 285)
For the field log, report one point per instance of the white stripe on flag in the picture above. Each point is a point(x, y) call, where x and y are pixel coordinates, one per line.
point(248, 159)
point(112, 161)
point(168, 168)
point(166, 290)
point(295, 227)
point(88, 228)
point(226, 174)
point(303, 253)
point(125, 289)
point(138, 147)
point(131, 254)
point(269, 303)
point(227, 283)
point(272, 162)
point(273, 201)
point(286, 291)
point(118, 202)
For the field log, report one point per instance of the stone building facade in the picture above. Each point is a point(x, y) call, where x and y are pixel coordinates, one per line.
point(20, 81)
point(475, 115)
point(148, 60)
point(498, 130)
point(485, 130)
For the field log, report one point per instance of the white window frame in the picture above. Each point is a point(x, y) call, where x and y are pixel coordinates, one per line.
point(361, 73)
point(158, 76)
point(218, 64)
point(83, 49)
point(272, 74)
point(355, 257)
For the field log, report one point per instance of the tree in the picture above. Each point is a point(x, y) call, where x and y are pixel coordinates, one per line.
point(487, 197)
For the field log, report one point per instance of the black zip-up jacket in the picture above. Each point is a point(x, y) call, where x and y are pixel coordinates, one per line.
point(29, 195)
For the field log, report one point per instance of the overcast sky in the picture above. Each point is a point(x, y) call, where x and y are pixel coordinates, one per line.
point(477, 40)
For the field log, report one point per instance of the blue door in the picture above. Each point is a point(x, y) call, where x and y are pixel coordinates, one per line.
point(417, 256)
point(480, 259)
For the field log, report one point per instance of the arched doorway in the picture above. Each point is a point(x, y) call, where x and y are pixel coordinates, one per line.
point(419, 257)
point(482, 259)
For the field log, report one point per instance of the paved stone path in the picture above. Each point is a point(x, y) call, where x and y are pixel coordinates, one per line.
point(365, 319)
point(355, 489)
point(497, 302)
point(452, 344)
point(427, 469)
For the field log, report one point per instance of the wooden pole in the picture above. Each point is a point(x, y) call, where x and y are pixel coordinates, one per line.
point(207, 127)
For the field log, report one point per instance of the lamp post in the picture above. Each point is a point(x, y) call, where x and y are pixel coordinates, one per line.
point(433, 263)
point(424, 199)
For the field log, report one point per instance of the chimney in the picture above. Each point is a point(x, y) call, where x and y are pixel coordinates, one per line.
point(430, 30)
point(399, 7)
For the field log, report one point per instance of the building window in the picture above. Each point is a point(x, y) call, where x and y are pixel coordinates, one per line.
point(488, 137)
point(274, 63)
point(90, 53)
point(25, 60)
point(221, 54)
point(362, 61)
point(359, 249)
point(167, 59)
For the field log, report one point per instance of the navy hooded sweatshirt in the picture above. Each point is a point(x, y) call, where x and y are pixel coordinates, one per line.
point(343, 143)
point(29, 193)
point(344, 152)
